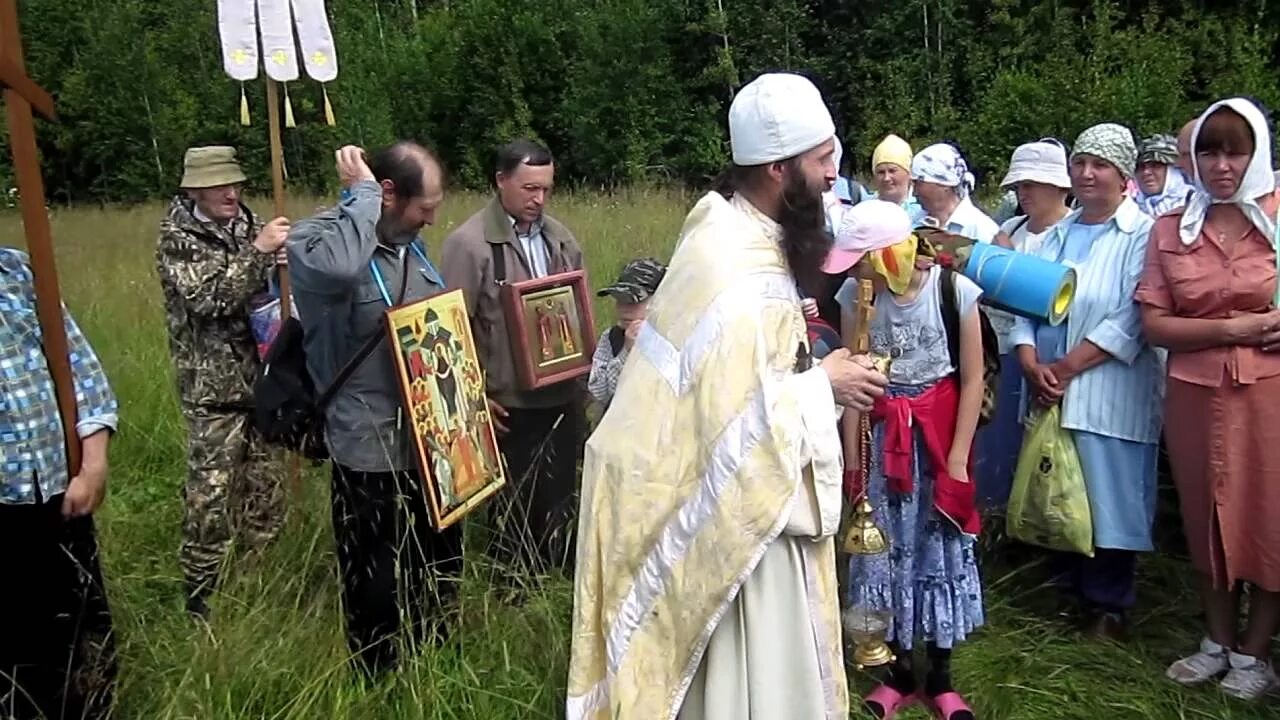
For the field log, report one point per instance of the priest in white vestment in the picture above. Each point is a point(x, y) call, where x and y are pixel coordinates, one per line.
point(705, 582)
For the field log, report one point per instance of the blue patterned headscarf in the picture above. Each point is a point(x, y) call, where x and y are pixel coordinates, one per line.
point(943, 165)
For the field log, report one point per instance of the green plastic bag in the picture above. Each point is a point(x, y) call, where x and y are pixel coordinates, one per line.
point(1049, 504)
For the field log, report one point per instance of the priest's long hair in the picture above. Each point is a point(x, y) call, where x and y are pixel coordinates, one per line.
point(805, 240)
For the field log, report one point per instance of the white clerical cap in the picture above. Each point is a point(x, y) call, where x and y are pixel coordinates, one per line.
point(775, 117)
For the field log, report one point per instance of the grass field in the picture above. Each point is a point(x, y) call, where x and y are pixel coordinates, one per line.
point(275, 649)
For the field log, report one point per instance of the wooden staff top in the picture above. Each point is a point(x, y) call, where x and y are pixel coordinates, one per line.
point(860, 343)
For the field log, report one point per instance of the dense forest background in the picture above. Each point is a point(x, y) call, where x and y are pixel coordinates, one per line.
point(629, 91)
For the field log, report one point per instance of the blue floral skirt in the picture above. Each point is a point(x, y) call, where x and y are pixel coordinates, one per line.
point(929, 577)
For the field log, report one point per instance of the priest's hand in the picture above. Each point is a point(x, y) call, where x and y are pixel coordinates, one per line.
point(854, 380)
point(352, 167)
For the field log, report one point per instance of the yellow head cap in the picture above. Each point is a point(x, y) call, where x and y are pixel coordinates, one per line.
point(893, 150)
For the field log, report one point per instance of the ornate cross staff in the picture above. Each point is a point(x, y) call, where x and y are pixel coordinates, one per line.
point(21, 97)
point(867, 626)
point(863, 537)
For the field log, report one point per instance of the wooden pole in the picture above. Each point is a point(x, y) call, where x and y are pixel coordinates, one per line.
point(274, 124)
point(35, 221)
point(277, 178)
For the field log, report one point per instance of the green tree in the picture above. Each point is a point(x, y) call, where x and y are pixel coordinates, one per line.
point(629, 91)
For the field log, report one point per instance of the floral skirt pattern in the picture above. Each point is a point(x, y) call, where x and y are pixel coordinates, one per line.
point(929, 577)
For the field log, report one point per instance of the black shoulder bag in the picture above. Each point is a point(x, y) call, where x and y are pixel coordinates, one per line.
point(287, 411)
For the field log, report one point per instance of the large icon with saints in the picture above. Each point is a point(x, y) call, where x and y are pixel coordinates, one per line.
point(442, 387)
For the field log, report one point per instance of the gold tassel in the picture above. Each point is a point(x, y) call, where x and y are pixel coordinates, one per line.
point(288, 109)
point(328, 109)
point(244, 107)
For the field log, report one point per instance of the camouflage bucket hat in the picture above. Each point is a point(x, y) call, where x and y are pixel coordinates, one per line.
point(637, 282)
point(208, 167)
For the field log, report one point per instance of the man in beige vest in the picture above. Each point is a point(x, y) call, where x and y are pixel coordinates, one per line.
point(540, 432)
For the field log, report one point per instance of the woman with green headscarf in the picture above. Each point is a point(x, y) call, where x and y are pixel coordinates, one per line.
point(1100, 369)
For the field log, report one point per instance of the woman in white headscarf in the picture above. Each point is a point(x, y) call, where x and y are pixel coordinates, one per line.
point(942, 185)
point(1161, 185)
point(1100, 369)
point(1209, 295)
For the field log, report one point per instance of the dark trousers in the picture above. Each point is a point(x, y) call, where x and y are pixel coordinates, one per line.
point(57, 651)
point(535, 514)
point(1106, 582)
point(399, 576)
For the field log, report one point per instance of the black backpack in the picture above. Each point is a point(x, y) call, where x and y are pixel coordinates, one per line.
point(287, 412)
point(990, 345)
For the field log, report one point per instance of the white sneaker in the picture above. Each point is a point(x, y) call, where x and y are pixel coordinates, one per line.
point(1249, 678)
point(1207, 664)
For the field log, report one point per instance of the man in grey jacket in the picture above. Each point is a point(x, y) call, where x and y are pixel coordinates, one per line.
point(348, 265)
point(540, 431)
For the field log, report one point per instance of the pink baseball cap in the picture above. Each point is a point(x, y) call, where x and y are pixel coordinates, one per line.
point(869, 225)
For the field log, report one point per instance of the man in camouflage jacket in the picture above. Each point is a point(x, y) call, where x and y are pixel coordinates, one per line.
point(213, 257)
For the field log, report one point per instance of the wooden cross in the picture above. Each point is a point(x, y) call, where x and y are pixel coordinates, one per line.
point(860, 343)
point(22, 98)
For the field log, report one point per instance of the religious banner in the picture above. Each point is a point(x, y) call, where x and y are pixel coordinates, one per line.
point(442, 388)
point(319, 56)
point(551, 328)
point(279, 51)
point(238, 30)
point(241, 23)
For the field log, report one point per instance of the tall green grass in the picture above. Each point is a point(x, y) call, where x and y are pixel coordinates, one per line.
point(274, 648)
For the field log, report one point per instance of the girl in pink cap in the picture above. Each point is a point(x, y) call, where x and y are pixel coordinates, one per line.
point(922, 441)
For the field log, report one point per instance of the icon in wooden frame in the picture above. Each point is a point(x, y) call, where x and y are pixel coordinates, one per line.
point(551, 328)
point(442, 388)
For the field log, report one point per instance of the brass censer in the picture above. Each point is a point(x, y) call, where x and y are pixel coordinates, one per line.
point(868, 627)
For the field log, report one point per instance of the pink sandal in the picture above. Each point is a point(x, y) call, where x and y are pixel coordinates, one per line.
point(890, 700)
point(946, 705)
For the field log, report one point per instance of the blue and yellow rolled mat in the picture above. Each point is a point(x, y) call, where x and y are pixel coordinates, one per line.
point(1022, 284)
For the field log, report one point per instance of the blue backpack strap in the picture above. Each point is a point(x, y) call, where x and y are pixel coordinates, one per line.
point(433, 274)
point(415, 247)
point(381, 283)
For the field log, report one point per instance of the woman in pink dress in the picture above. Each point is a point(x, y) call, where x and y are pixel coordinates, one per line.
point(1208, 295)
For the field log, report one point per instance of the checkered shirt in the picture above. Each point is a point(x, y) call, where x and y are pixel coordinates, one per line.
point(33, 461)
point(606, 368)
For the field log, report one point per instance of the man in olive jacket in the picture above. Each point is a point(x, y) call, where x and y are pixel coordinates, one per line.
point(540, 432)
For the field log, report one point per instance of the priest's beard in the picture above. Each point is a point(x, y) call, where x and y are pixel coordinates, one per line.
point(805, 240)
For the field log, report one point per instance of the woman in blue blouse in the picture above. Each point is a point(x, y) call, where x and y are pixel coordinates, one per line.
point(1101, 370)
